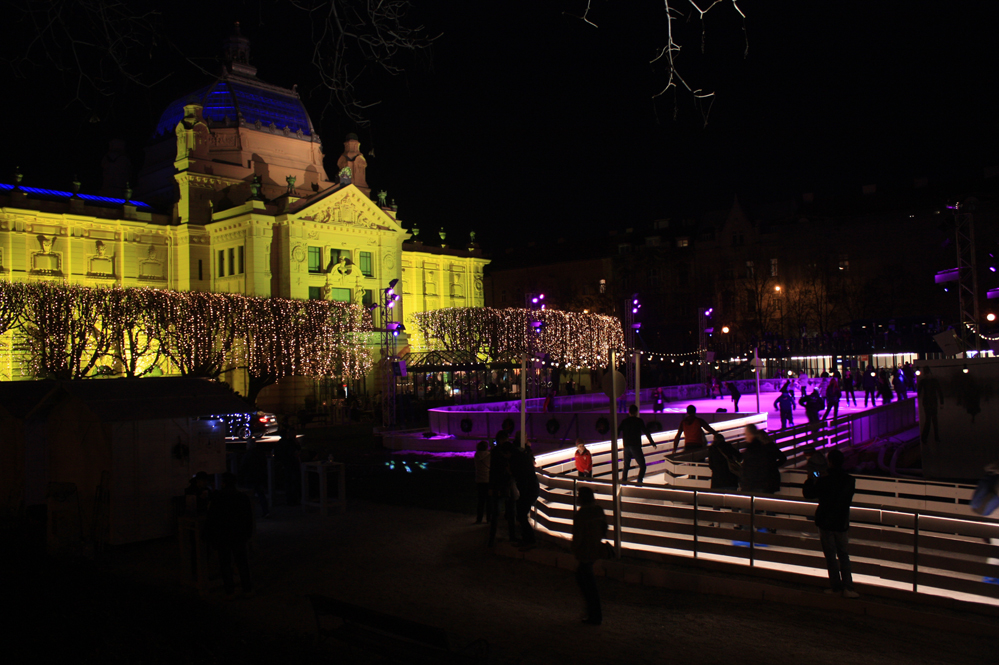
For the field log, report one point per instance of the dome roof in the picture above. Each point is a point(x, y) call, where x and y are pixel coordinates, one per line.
point(240, 101)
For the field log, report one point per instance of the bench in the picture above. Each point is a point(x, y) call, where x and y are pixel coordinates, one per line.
point(396, 639)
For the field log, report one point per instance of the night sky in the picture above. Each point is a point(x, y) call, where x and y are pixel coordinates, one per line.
point(521, 119)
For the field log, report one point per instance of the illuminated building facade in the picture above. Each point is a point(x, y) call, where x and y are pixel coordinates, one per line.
point(233, 197)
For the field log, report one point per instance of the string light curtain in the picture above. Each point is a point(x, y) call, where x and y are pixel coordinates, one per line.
point(571, 338)
point(65, 328)
point(76, 331)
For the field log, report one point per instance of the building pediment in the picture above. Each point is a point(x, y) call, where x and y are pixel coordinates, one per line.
point(348, 206)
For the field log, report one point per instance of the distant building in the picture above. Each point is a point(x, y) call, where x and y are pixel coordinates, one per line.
point(233, 197)
point(844, 274)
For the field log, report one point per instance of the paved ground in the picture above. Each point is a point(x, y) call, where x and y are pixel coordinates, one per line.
point(432, 566)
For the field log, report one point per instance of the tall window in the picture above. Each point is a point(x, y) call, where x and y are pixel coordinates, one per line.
point(682, 242)
point(750, 269)
point(364, 259)
point(367, 298)
point(315, 259)
point(337, 254)
point(232, 260)
point(603, 286)
point(844, 262)
point(773, 267)
point(221, 263)
point(239, 255)
point(315, 293)
point(201, 271)
point(340, 295)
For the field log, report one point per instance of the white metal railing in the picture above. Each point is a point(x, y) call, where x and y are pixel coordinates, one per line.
point(889, 547)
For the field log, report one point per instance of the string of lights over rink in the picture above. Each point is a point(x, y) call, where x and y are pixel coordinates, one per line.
point(562, 338)
point(70, 332)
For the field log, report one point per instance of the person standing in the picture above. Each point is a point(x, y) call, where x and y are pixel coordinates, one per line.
point(692, 429)
point(658, 404)
point(898, 383)
point(813, 405)
point(228, 527)
point(761, 463)
point(848, 387)
point(528, 490)
point(832, 396)
point(584, 460)
point(870, 386)
point(482, 456)
point(785, 405)
point(929, 393)
point(632, 429)
point(500, 490)
point(733, 390)
point(200, 493)
point(834, 492)
point(253, 474)
point(589, 526)
point(884, 386)
point(723, 460)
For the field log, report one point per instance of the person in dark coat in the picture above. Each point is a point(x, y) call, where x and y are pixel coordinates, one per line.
point(929, 393)
point(589, 526)
point(870, 386)
point(253, 474)
point(785, 405)
point(813, 406)
point(632, 429)
point(500, 481)
point(526, 476)
point(733, 390)
point(761, 463)
point(898, 384)
point(832, 397)
point(884, 387)
point(834, 492)
point(228, 527)
point(199, 489)
point(287, 457)
point(848, 386)
point(720, 453)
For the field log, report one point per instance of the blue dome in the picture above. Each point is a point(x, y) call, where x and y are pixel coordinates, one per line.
point(232, 102)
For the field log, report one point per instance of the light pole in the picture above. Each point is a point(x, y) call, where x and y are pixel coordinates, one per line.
point(390, 337)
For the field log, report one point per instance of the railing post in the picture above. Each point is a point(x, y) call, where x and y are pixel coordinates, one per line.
point(915, 554)
point(752, 530)
point(574, 494)
point(695, 524)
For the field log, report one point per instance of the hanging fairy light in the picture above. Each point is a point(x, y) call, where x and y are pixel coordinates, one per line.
point(71, 332)
point(564, 337)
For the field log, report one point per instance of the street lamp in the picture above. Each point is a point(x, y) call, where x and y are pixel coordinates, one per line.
point(390, 334)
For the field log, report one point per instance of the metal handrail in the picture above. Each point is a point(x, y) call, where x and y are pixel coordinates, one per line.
point(954, 529)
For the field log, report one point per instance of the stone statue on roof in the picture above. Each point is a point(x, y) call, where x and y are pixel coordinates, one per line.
point(353, 159)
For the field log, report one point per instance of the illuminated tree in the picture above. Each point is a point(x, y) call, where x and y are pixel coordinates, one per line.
point(64, 327)
point(197, 330)
point(133, 331)
point(12, 299)
point(492, 334)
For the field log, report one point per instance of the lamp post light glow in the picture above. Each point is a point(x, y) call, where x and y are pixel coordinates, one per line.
point(990, 317)
point(725, 329)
